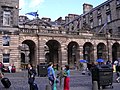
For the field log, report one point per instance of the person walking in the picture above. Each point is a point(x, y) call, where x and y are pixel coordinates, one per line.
point(67, 78)
point(1, 65)
point(31, 76)
point(10, 68)
point(118, 72)
point(51, 76)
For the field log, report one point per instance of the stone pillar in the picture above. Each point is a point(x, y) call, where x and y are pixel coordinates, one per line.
point(110, 52)
point(80, 66)
point(38, 52)
point(41, 53)
point(17, 62)
point(81, 52)
point(95, 53)
point(64, 55)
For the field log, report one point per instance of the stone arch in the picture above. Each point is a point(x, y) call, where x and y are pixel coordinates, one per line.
point(88, 52)
point(28, 52)
point(115, 51)
point(73, 53)
point(53, 53)
point(101, 51)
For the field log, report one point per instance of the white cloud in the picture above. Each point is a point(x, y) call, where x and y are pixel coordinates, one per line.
point(29, 3)
point(35, 3)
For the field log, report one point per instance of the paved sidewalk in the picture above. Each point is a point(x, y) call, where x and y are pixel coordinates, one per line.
point(77, 82)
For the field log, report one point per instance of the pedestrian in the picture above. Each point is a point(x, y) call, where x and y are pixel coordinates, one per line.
point(13, 68)
point(2, 66)
point(1, 74)
point(60, 76)
point(89, 65)
point(67, 78)
point(31, 76)
point(118, 72)
point(10, 68)
point(51, 76)
point(116, 62)
point(109, 63)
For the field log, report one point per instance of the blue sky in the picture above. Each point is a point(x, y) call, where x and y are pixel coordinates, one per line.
point(55, 8)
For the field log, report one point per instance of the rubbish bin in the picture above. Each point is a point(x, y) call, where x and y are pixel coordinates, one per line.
point(42, 69)
point(103, 75)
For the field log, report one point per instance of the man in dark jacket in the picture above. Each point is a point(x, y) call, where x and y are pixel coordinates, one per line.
point(31, 75)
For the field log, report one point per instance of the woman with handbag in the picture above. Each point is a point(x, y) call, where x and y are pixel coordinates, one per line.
point(67, 78)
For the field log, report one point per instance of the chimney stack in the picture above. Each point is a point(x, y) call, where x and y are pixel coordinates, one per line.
point(87, 7)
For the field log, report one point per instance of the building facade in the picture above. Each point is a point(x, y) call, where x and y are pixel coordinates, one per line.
point(61, 42)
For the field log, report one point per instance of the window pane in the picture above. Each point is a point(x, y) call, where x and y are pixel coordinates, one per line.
point(118, 2)
point(6, 40)
point(6, 18)
point(108, 17)
point(6, 58)
point(119, 29)
point(99, 21)
point(91, 24)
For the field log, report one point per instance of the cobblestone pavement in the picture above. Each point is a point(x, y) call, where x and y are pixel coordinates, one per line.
point(77, 82)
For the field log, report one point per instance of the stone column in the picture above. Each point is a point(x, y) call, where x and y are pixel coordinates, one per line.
point(64, 55)
point(95, 53)
point(110, 52)
point(81, 52)
point(41, 50)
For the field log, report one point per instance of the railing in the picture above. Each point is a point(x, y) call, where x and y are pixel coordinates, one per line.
point(63, 32)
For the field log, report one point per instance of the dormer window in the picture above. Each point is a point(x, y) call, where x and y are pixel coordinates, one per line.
point(108, 17)
point(108, 7)
point(91, 24)
point(99, 21)
point(91, 15)
point(99, 11)
point(84, 19)
point(118, 2)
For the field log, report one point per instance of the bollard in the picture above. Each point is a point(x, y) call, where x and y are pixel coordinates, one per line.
point(95, 85)
point(48, 87)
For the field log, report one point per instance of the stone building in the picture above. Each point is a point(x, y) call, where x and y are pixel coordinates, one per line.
point(62, 41)
point(102, 20)
point(9, 36)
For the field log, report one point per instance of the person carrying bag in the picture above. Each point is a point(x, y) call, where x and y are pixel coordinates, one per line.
point(31, 77)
